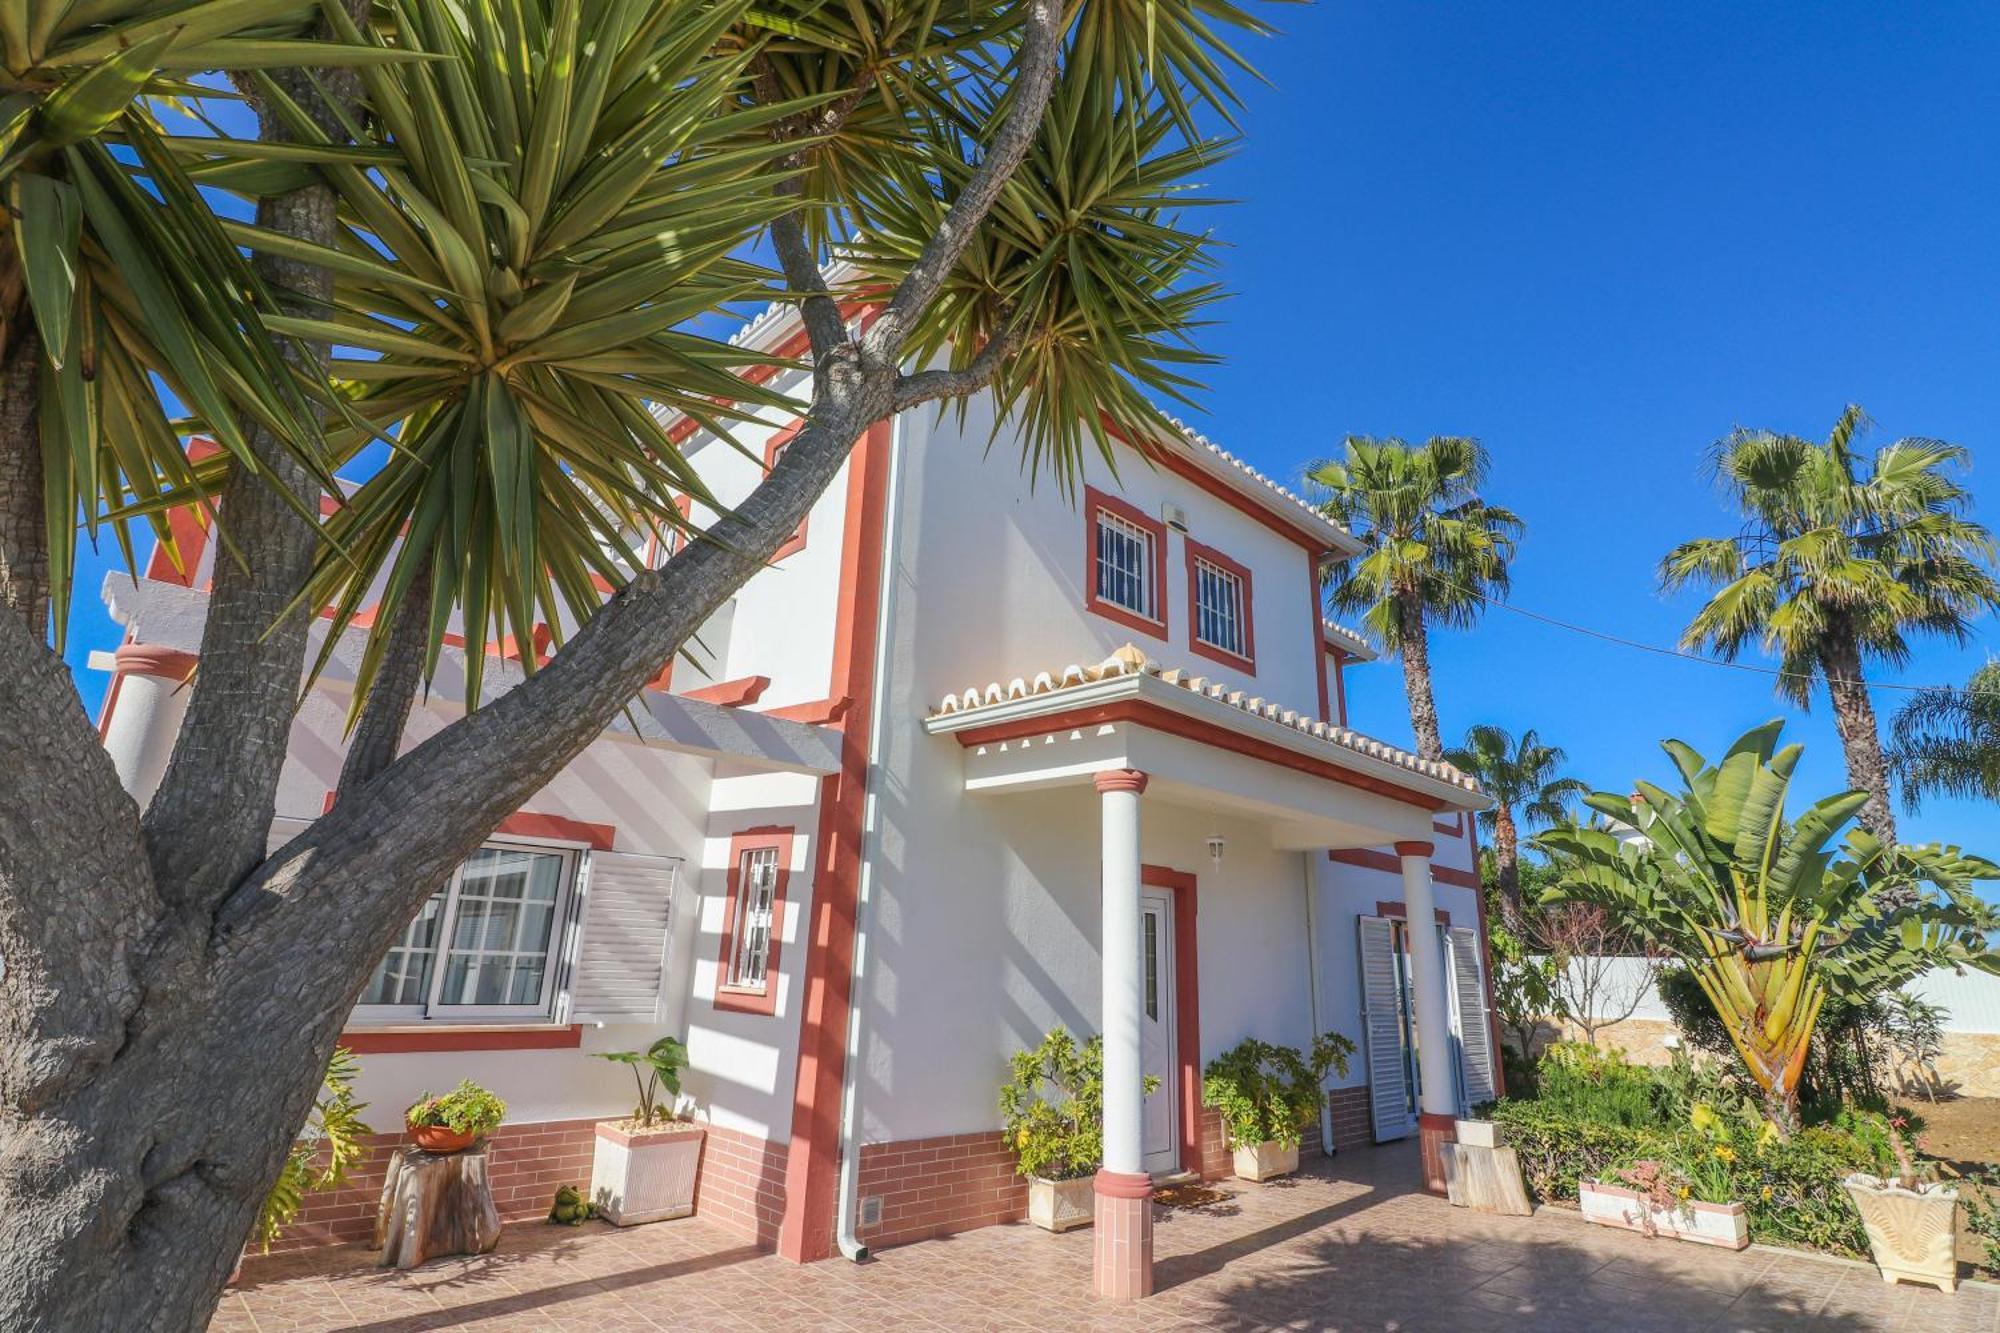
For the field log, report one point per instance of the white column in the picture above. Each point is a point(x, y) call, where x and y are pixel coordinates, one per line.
point(144, 716)
point(1427, 978)
point(1124, 1076)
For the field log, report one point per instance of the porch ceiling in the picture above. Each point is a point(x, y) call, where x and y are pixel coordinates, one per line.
point(1204, 745)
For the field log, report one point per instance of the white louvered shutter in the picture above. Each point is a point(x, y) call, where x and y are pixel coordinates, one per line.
point(1382, 1024)
point(1472, 1024)
point(620, 969)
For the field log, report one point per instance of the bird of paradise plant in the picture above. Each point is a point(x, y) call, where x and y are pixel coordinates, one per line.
point(1772, 915)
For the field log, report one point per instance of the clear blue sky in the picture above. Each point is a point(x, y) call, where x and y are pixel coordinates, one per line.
point(1597, 237)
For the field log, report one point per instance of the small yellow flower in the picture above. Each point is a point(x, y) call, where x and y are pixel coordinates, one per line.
point(1725, 1153)
point(1766, 1192)
point(1686, 1193)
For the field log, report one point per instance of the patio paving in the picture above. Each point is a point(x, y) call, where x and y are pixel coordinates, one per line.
point(1351, 1243)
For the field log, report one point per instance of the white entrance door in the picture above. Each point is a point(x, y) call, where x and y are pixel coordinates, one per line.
point(1158, 1045)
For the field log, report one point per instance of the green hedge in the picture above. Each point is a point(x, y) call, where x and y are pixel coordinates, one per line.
point(1791, 1190)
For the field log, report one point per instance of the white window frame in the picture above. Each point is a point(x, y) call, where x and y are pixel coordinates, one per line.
point(1236, 614)
point(1143, 578)
point(733, 977)
point(431, 1011)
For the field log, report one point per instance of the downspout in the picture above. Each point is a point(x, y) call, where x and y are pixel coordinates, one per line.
point(1312, 991)
point(864, 896)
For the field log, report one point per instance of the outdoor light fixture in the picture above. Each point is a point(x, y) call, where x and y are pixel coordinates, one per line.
point(1216, 843)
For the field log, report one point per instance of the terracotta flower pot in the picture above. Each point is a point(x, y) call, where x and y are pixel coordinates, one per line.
point(440, 1138)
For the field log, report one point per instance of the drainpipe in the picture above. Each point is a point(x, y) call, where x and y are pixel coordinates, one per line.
point(1312, 989)
point(871, 842)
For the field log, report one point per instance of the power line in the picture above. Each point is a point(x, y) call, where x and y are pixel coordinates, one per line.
point(1686, 656)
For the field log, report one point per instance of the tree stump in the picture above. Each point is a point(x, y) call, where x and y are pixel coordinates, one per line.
point(435, 1204)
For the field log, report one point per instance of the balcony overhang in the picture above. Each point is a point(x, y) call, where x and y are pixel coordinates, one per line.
point(1203, 745)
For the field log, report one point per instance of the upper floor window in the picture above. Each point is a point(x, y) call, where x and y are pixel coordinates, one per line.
point(1219, 607)
point(484, 945)
point(1128, 561)
point(759, 866)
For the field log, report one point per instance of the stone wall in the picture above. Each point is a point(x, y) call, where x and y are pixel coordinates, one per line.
point(1969, 1065)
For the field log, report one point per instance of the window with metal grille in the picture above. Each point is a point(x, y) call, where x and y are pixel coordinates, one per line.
point(1219, 619)
point(1125, 564)
point(750, 959)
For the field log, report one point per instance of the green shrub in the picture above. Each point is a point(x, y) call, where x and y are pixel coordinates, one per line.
point(1052, 1108)
point(466, 1109)
point(1558, 1148)
point(1269, 1094)
point(1603, 1087)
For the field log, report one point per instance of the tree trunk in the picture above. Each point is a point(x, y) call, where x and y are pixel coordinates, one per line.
point(1854, 719)
point(24, 532)
point(1413, 647)
point(1507, 862)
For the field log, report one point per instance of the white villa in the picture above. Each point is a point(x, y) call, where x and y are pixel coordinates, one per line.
point(971, 759)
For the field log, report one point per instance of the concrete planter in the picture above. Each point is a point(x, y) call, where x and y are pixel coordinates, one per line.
point(1723, 1224)
point(1913, 1233)
point(1061, 1205)
point(1480, 1134)
point(644, 1175)
point(1262, 1161)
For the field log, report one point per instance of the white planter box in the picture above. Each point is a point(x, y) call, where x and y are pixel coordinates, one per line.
point(1479, 1134)
point(1061, 1205)
point(1723, 1224)
point(1262, 1161)
point(1913, 1233)
point(644, 1176)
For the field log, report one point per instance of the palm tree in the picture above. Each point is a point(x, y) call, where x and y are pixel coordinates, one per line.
point(1947, 742)
point(1524, 780)
point(1435, 550)
point(1840, 559)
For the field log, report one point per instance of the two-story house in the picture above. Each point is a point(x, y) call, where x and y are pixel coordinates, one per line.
point(971, 759)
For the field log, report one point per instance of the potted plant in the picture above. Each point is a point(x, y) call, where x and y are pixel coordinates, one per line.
point(1052, 1113)
point(455, 1121)
point(1268, 1095)
point(1912, 1222)
point(644, 1167)
point(1659, 1198)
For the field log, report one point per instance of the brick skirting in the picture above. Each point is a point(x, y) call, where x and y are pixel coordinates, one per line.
point(525, 1164)
point(1353, 1126)
point(933, 1187)
point(742, 1184)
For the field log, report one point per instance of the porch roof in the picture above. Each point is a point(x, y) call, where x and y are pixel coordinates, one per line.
point(1205, 743)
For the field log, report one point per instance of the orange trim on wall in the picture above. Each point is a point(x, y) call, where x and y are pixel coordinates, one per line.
point(1189, 470)
point(1318, 640)
point(1456, 826)
point(812, 1164)
point(759, 999)
point(1187, 1003)
point(1146, 714)
point(1401, 911)
point(462, 1037)
point(1372, 859)
point(1194, 553)
point(817, 713)
point(1093, 501)
point(772, 448)
point(732, 693)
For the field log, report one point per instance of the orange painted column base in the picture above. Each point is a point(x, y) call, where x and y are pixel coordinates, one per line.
point(1122, 1262)
point(1434, 1134)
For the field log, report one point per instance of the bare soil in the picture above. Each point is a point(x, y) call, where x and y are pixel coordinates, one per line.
point(1964, 1131)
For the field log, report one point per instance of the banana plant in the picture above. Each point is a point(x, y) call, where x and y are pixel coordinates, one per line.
point(1771, 915)
point(115, 273)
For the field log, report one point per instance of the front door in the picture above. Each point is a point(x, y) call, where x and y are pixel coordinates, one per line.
point(1158, 1044)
